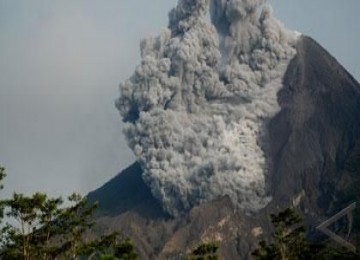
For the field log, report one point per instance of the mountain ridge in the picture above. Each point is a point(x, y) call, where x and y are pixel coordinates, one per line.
point(313, 135)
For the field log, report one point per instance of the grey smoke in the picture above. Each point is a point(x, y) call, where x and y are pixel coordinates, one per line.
point(198, 103)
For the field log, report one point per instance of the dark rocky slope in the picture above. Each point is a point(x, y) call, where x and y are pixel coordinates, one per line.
point(316, 129)
point(313, 136)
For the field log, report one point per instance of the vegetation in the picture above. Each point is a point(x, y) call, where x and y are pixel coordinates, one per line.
point(289, 242)
point(39, 227)
point(205, 251)
point(351, 193)
point(288, 238)
point(2, 176)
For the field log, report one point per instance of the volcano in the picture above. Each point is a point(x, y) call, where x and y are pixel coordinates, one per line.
point(230, 121)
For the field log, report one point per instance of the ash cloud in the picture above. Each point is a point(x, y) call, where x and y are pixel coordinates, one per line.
point(198, 104)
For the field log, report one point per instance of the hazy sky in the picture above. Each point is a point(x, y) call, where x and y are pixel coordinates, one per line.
point(61, 62)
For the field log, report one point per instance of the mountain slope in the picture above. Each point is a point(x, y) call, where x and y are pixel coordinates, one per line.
point(126, 192)
point(317, 127)
point(313, 136)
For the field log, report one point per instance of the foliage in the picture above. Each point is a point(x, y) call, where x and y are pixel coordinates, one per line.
point(43, 228)
point(351, 193)
point(2, 176)
point(27, 212)
point(289, 242)
point(205, 251)
point(125, 251)
point(288, 238)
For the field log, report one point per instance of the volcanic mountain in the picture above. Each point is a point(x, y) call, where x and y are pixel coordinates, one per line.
point(230, 121)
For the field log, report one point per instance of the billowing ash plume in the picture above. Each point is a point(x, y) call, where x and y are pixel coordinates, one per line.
point(198, 103)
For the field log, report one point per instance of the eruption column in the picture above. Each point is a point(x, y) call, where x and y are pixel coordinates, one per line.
point(198, 104)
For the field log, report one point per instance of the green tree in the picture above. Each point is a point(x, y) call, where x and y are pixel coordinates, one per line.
point(45, 229)
point(125, 250)
point(35, 226)
point(49, 213)
point(288, 241)
point(2, 177)
point(205, 251)
point(73, 222)
point(25, 211)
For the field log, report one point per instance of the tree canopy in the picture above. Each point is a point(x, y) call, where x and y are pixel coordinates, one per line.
point(39, 227)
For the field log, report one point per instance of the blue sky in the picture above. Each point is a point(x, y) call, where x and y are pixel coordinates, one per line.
point(61, 63)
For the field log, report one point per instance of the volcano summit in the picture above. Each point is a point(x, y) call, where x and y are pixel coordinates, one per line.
point(230, 119)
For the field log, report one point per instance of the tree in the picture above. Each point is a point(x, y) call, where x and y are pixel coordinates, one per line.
point(47, 230)
point(123, 251)
point(24, 210)
point(289, 241)
point(73, 222)
point(49, 213)
point(205, 251)
point(2, 176)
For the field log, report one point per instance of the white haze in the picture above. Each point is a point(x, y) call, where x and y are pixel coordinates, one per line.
point(199, 102)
